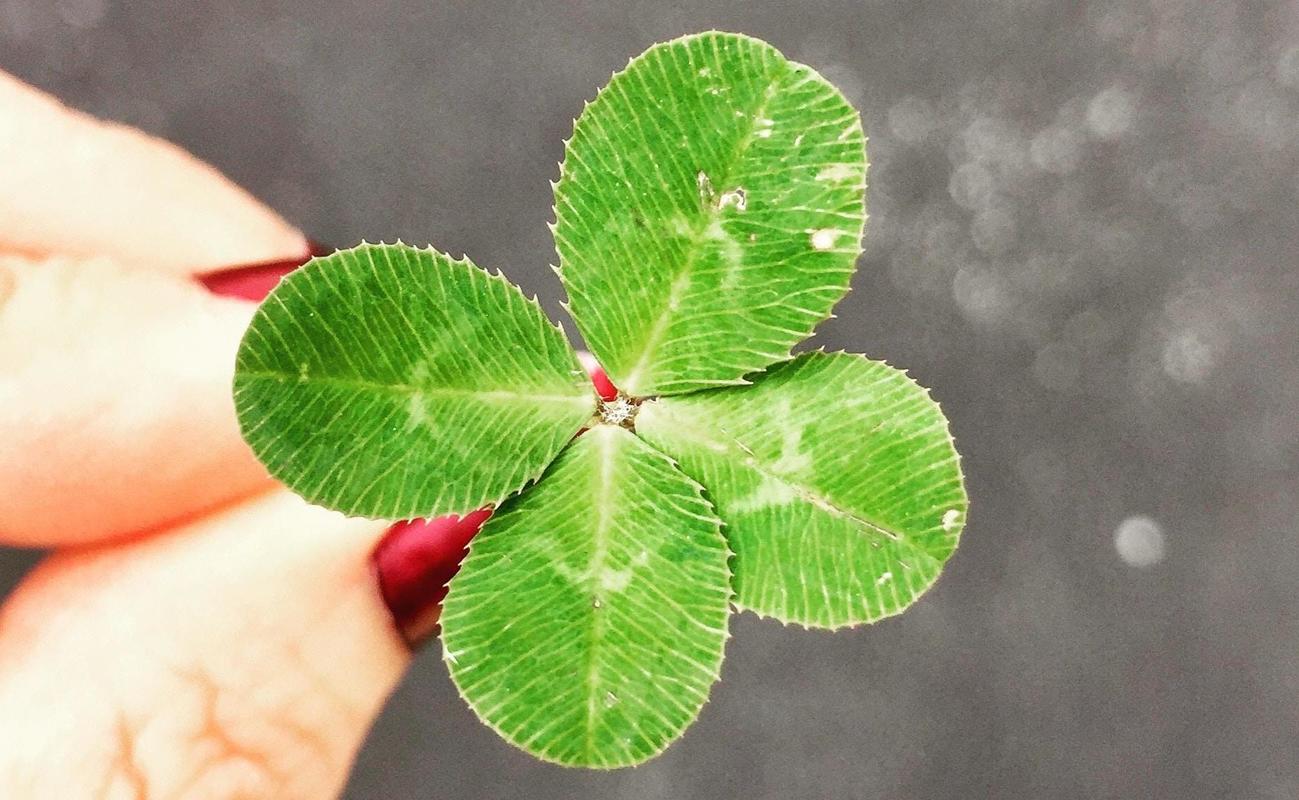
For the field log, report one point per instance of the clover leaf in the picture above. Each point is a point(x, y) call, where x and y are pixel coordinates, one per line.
point(709, 214)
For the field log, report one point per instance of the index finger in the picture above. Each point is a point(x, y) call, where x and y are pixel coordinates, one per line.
point(74, 185)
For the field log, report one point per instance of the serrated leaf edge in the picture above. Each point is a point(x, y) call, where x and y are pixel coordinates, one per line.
point(780, 358)
point(955, 533)
point(465, 263)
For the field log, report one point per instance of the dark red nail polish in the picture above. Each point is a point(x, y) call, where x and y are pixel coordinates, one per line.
point(255, 281)
point(603, 386)
point(414, 561)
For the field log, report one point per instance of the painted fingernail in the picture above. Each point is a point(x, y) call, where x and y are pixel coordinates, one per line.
point(603, 386)
point(414, 562)
point(255, 281)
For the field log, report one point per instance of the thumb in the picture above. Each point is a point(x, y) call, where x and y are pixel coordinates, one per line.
point(244, 655)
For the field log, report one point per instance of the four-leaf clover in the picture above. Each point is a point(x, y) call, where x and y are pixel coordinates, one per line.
point(709, 214)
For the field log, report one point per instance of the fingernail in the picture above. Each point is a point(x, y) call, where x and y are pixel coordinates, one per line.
point(414, 562)
point(603, 386)
point(255, 281)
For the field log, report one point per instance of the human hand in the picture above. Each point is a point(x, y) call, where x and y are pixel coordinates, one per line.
point(198, 632)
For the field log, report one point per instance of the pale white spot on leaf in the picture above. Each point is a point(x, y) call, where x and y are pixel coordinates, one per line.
point(735, 198)
point(614, 580)
point(824, 238)
point(840, 172)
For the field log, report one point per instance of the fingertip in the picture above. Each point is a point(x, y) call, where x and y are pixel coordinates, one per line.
point(122, 420)
point(254, 643)
point(74, 185)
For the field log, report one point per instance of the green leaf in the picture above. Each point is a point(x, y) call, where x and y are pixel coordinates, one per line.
point(709, 212)
point(587, 623)
point(836, 479)
point(391, 382)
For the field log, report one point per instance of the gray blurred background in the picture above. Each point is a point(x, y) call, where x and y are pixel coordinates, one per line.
point(1084, 234)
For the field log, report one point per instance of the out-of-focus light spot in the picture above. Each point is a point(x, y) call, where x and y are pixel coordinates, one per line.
point(980, 294)
point(912, 119)
point(999, 147)
point(972, 186)
point(81, 13)
point(1056, 149)
point(1109, 114)
point(1187, 357)
point(943, 240)
point(994, 140)
point(1139, 541)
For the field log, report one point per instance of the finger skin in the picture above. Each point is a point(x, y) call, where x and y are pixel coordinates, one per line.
point(74, 185)
point(242, 656)
point(116, 414)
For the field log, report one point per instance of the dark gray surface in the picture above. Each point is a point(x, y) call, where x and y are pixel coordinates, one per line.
point(1083, 236)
